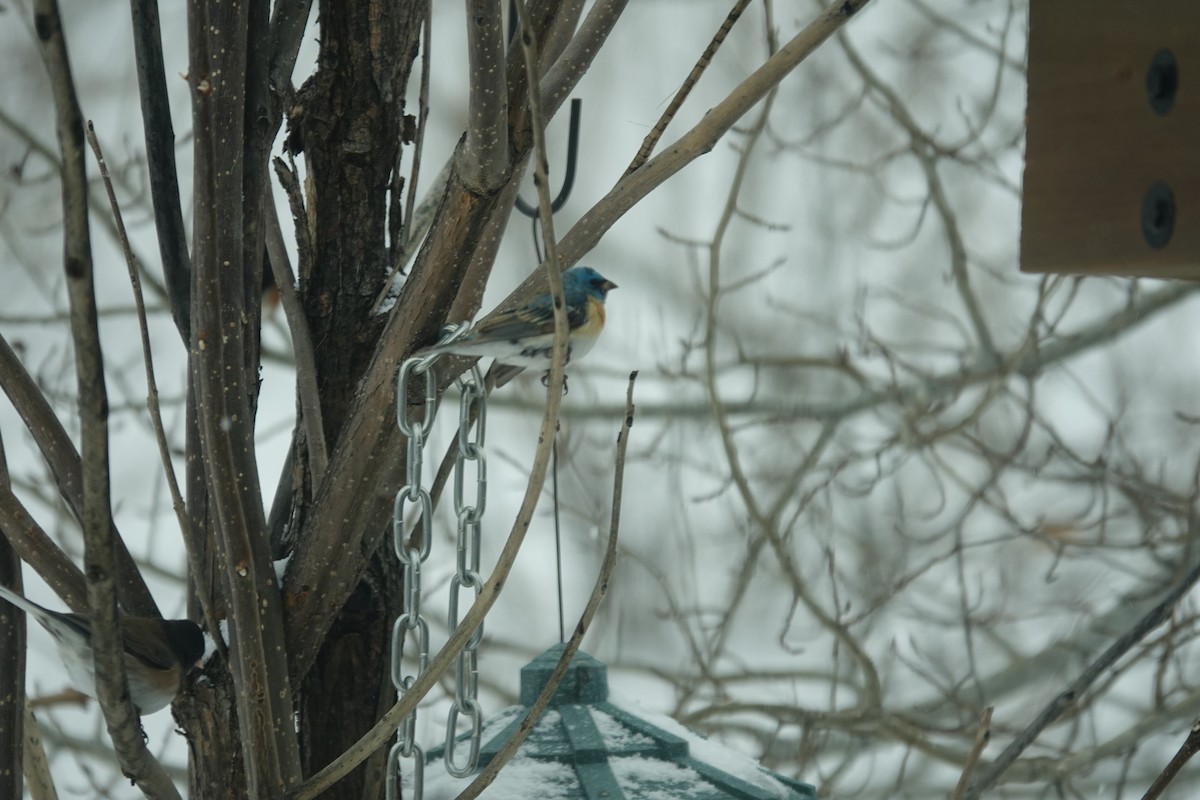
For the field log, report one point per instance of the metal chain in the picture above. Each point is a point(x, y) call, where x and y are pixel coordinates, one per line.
point(413, 551)
point(412, 555)
point(466, 576)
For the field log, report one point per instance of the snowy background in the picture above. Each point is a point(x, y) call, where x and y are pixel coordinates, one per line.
point(881, 531)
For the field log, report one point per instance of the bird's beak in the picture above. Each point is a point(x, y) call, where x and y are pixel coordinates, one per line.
point(607, 285)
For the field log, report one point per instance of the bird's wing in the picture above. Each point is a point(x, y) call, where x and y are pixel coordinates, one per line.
point(144, 640)
point(534, 319)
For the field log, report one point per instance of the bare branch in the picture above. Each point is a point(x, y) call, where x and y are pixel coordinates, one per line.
point(689, 83)
point(1072, 694)
point(982, 736)
point(12, 663)
point(65, 464)
point(699, 140)
point(1189, 748)
point(577, 56)
point(227, 254)
point(562, 30)
point(923, 152)
point(541, 182)
point(948, 22)
point(160, 158)
point(40, 552)
point(40, 781)
point(766, 522)
point(24, 134)
point(285, 279)
point(484, 165)
point(112, 687)
point(289, 18)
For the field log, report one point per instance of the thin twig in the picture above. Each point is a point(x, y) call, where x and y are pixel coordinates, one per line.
point(541, 183)
point(599, 590)
point(689, 83)
point(152, 404)
point(1069, 696)
point(35, 145)
point(922, 150)
point(983, 734)
point(632, 188)
point(53, 317)
point(948, 22)
point(1189, 748)
point(764, 520)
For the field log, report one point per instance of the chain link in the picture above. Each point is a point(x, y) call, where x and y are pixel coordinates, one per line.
point(411, 621)
point(473, 403)
point(410, 631)
point(393, 772)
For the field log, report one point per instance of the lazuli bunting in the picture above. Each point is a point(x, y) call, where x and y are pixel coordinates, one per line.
point(158, 652)
point(524, 337)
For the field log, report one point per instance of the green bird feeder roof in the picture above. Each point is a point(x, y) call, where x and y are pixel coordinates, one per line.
point(586, 747)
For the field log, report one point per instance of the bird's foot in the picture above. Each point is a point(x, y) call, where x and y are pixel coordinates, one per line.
point(546, 381)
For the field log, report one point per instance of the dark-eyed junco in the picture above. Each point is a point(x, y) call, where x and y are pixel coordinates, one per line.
point(157, 651)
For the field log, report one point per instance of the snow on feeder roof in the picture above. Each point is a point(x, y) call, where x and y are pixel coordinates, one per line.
point(587, 747)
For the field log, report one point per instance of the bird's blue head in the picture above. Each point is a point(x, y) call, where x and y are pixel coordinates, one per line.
point(587, 282)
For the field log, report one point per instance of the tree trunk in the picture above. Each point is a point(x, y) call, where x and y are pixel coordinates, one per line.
point(348, 118)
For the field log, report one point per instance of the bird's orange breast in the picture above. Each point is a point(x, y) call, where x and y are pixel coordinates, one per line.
point(595, 319)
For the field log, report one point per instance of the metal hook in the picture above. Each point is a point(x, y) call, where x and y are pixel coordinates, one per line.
point(569, 173)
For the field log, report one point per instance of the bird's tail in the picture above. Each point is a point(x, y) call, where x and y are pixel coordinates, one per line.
point(20, 602)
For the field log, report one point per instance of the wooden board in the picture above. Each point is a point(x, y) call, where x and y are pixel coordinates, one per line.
point(1095, 145)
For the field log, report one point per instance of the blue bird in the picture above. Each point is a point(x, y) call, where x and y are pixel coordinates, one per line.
point(524, 336)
